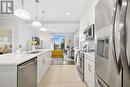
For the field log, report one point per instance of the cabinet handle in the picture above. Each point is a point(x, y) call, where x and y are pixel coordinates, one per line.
point(43, 61)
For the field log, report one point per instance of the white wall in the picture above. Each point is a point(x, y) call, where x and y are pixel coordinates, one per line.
point(21, 33)
point(88, 17)
point(62, 27)
point(46, 38)
point(25, 34)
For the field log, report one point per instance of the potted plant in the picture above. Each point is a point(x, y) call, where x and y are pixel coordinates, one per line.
point(33, 43)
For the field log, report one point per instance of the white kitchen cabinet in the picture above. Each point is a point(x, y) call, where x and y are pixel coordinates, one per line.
point(44, 61)
point(89, 71)
point(8, 76)
point(9, 66)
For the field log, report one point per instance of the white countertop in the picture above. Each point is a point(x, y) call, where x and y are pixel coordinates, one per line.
point(16, 59)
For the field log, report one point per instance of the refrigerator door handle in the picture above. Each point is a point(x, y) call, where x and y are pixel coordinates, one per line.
point(123, 38)
point(117, 62)
point(100, 83)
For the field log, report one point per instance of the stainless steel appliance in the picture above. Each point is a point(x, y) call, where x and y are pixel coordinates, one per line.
point(107, 74)
point(113, 70)
point(89, 32)
point(122, 28)
point(27, 74)
point(80, 65)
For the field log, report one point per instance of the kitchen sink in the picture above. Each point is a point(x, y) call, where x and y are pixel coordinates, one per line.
point(33, 52)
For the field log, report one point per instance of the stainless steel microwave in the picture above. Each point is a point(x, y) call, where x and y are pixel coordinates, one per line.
point(89, 32)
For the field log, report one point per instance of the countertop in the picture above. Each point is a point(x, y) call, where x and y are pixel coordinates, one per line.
point(16, 59)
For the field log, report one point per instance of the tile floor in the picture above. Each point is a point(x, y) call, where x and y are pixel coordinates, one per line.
point(62, 76)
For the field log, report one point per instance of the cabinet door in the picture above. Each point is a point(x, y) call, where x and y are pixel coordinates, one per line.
point(47, 56)
point(89, 72)
point(85, 70)
point(40, 67)
point(44, 61)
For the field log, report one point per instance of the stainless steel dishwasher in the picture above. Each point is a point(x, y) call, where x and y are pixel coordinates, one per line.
point(27, 73)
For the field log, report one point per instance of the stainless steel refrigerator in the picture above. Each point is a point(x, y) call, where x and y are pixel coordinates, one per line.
point(112, 43)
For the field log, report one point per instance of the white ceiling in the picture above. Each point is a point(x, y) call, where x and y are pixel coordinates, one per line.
point(59, 28)
point(55, 13)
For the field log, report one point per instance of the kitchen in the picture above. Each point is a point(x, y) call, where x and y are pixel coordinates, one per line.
point(97, 31)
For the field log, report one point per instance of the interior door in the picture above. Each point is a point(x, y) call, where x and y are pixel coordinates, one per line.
point(116, 35)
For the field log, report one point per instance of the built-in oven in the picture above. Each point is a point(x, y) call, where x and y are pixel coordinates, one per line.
point(80, 65)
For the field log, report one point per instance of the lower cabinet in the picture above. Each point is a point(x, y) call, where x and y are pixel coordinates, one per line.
point(10, 74)
point(89, 72)
point(44, 61)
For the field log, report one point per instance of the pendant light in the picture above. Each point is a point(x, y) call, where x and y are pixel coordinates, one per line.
point(43, 29)
point(22, 13)
point(36, 23)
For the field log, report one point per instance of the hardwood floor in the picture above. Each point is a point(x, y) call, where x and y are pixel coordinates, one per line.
point(61, 76)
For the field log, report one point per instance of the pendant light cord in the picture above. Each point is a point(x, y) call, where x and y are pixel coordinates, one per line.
point(43, 16)
point(36, 11)
point(22, 3)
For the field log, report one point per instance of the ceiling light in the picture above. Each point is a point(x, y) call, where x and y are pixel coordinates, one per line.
point(43, 29)
point(22, 13)
point(67, 13)
point(36, 24)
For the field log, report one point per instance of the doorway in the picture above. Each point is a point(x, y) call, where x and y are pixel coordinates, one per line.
point(59, 41)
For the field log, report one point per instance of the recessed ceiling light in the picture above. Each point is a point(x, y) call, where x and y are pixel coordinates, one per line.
point(67, 13)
